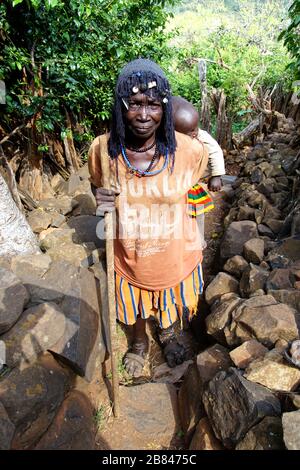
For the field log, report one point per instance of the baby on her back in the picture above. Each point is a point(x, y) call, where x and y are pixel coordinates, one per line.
point(186, 119)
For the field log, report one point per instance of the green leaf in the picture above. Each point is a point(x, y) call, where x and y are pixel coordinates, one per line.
point(16, 2)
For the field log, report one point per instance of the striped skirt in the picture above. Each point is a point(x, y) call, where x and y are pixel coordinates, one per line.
point(165, 305)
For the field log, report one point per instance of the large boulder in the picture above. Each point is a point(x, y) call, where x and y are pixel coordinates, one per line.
point(235, 265)
point(243, 355)
point(32, 397)
point(149, 418)
point(213, 360)
point(253, 278)
point(273, 374)
point(13, 298)
point(236, 235)
point(190, 401)
point(262, 318)
point(234, 405)
point(39, 328)
point(254, 250)
point(291, 430)
point(221, 284)
point(266, 435)
point(82, 345)
point(72, 427)
point(221, 317)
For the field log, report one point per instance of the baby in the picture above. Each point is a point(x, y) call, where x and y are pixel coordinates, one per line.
point(186, 119)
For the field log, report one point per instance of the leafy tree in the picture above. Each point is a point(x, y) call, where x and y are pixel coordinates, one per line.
point(59, 60)
point(291, 37)
point(240, 45)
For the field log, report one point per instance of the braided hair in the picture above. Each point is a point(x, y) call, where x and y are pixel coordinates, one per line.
point(138, 74)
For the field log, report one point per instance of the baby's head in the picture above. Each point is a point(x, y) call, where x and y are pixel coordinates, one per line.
point(185, 116)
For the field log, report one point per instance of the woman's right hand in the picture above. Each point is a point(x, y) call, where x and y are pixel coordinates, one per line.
point(105, 200)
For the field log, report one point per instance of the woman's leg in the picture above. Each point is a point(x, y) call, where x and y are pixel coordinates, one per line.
point(135, 357)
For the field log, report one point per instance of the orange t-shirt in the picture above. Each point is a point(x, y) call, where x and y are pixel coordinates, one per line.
point(157, 244)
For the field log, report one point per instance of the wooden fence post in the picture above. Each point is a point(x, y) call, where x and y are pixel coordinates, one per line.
point(205, 112)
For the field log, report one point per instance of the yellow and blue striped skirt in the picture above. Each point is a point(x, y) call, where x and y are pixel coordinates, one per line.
point(165, 305)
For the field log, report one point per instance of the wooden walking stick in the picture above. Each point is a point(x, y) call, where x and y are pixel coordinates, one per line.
point(109, 231)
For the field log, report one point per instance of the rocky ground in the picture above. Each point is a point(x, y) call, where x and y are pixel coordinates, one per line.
point(241, 391)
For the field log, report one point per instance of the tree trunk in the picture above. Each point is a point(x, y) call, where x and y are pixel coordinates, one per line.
point(247, 133)
point(16, 236)
point(205, 112)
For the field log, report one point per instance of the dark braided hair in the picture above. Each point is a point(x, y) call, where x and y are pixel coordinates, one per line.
point(139, 73)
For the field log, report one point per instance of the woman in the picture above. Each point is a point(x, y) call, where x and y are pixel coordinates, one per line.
point(157, 246)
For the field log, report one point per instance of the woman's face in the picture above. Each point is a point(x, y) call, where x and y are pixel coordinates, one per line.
point(144, 115)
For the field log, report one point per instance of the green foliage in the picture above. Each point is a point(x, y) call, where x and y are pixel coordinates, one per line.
point(239, 40)
point(65, 55)
point(291, 37)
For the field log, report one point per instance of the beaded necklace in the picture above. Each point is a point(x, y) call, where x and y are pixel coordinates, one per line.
point(137, 172)
point(133, 149)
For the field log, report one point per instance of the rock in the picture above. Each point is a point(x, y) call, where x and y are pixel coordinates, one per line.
point(85, 227)
point(56, 181)
point(274, 224)
point(149, 414)
point(280, 279)
point(86, 203)
point(221, 317)
point(264, 319)
point(277, 261)
point(254, 250)
point(246, 213)
point(272, 212)
point(57, 219)
point(291, 430)
point(81, 345)
point(266, 435)
point(211, 361)
point(236, 235)
point(55, 284)
point(170, 375)
point(72, 427)
point(264, 265)
point(273, 375)
point(290, 248)
point(257, 293)
point(190, 402)
point(38, 329)
point(7, 429)
point(39, 220)
point(231, 216)
point(34, 265)
point(204, 438)
point(256, 175)
point(32, 397)
point(64, 205)
point(13, 298)
point(295, 228)
point(258, 215)
point(265, 231)
point(266, 187)
point(74, 254)
point(5, 262)
point(221, 284)
point(253, 279)
point(58, 237)
point(234, 405)
point(243, 355)
point(290, 297)
point(235, 265)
